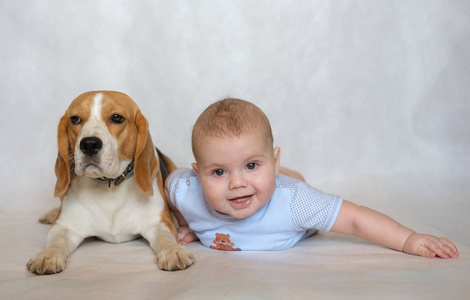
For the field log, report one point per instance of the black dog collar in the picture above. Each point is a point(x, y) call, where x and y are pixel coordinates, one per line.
point(128, 173)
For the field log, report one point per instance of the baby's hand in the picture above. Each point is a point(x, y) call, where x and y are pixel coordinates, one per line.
point(186, 235)
point(430, 246)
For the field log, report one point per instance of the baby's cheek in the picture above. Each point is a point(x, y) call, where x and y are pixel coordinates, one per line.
point(270, 188)
point(214, 193)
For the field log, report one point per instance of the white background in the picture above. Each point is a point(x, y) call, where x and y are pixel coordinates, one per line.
point(368, 99)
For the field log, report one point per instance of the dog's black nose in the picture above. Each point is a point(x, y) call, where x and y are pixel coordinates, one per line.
point(90, 145)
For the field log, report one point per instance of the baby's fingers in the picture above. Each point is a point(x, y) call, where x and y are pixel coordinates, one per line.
point(186, 235)
point(449, 247)
point(190, 237)
point(441, 247)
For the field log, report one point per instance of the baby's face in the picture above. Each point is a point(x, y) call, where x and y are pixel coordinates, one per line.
point(238, 175)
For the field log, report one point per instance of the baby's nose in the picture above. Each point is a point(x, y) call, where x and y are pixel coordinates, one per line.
point(237, 180)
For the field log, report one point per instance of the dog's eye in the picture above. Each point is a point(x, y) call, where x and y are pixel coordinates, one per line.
point(117, 119)
point(75, 120)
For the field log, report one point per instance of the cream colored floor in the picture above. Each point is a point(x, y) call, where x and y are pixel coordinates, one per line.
point(326, 266)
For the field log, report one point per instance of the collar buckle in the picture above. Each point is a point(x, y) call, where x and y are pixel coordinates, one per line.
point(128, 172)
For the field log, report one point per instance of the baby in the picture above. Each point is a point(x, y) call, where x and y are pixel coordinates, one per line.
point(237, 197)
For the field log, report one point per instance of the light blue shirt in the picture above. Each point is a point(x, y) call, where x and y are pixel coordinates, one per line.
point(295, 211)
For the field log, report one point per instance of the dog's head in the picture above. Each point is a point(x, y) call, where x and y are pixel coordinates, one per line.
point(99, 136)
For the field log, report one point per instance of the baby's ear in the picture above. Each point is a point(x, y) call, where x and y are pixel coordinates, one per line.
point(194, 165)
point(277, 159)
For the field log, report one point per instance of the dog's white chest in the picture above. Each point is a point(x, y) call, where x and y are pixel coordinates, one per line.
point(114, 214)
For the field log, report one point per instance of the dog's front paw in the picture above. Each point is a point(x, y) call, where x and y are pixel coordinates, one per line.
point(174, 257)
point(47, 261)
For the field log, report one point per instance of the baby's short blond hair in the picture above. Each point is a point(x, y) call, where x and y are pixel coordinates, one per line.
point(230, 117)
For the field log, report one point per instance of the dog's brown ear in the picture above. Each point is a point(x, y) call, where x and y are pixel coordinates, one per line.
point(145, 160)
point(62, 165)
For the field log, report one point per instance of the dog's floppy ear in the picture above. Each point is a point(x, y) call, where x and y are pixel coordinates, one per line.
point(145, 160)
point(62, 165)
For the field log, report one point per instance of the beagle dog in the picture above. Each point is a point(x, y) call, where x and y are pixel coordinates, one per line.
point(110, 183)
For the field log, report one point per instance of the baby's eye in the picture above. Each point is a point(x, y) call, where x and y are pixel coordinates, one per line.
point(251, 166)
point(218, 172)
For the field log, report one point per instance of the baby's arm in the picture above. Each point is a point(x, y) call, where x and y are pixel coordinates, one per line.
point(378, 228)
point(185, 235)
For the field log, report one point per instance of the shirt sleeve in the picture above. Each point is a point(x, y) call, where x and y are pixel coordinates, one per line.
point(175, 181)
point(311, 208)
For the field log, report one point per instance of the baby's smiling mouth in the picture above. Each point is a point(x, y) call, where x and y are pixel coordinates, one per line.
point(241, 202)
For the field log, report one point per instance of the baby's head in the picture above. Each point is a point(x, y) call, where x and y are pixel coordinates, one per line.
point(233, 146)
point(229, 118)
